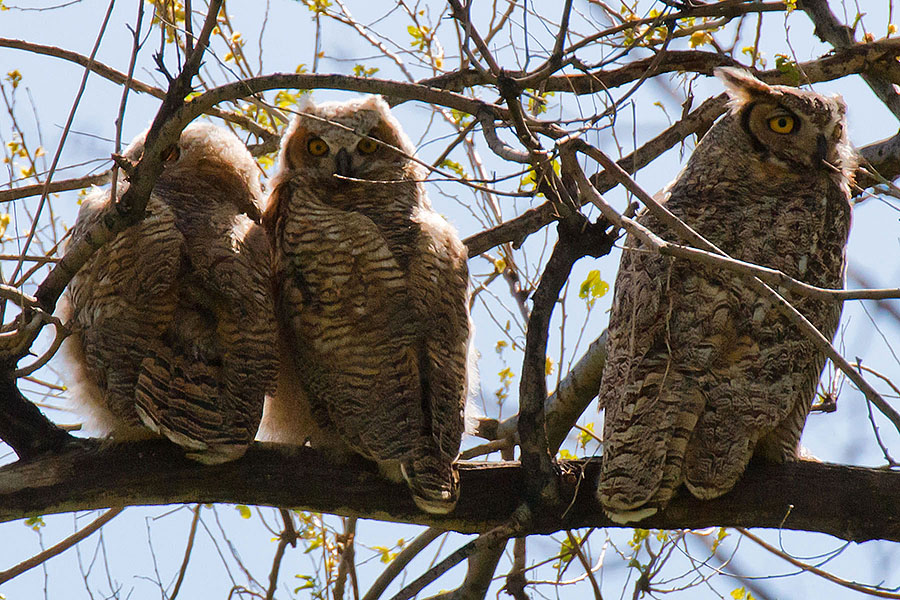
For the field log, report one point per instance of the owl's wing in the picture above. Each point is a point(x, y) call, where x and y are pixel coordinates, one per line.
point(438, 283)
point(205, 389)
point(702, 369)
point(759, 386)
point(651, 405)
point(121, 300)
point(343, 298)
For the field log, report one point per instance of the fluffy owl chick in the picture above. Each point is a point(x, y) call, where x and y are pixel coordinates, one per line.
point(702, 371)
point(172, 321)
point(372, 300)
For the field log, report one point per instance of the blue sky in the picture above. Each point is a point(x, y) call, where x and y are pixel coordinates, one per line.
point(844, 436)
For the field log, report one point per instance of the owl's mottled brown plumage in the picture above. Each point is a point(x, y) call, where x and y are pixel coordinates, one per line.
point(172, 321)
point(372, 300)
point(702, 371)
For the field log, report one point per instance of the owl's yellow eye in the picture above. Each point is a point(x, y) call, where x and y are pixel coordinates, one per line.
point(782, 124)
point(367, 146)
point(317, 147)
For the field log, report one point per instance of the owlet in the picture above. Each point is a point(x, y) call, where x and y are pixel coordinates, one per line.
point(372, 300)
point(703, 372)
point(172, 327)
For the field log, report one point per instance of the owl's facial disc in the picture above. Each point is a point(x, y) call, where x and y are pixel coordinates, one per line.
point(787, 138)
point(345, 157)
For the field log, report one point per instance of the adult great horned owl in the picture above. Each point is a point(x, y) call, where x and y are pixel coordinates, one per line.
point(702, 371)
point(372, 299)
point(172, 321)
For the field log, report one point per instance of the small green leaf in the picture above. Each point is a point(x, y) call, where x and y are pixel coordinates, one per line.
point(723, 533)
point(308, 582)
point(35, 523)
point(455, 167)
point(592, 287)
point(14, 77)
point(363, 71)
point(784, 64)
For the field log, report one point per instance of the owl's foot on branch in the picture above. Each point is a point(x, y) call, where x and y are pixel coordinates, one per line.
point(434, 486)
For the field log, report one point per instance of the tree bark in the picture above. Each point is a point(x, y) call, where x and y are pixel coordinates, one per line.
point(851, 503)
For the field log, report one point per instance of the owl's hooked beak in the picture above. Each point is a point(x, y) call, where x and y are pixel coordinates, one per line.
point(342, 163)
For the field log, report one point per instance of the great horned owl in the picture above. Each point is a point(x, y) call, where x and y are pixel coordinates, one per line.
point(172, 327)
point(372, 300)
point(702, 371)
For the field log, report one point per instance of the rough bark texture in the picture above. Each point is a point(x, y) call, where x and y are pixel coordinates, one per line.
point(847, 502)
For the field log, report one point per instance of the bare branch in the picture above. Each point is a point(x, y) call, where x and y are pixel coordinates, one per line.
point(824, 497)
point(61, 547)
point(685, 232)
point(869, 591)
point(400, 561)
point(833, 32)
point(188, 549)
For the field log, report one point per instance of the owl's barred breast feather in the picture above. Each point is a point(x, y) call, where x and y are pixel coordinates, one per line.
point(173, 319)
point(702, 372)
point(372, 300)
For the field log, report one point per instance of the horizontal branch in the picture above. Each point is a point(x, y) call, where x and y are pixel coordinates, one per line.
point(804, 495)
point(847, 61)
point(53, 187)
point(120, 78)
point(882, 156)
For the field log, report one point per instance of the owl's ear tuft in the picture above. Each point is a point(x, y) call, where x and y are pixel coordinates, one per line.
point(741, 85)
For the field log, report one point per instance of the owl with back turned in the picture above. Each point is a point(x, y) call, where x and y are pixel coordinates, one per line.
point(703, 372)
point(372, 300)
point(172, 326)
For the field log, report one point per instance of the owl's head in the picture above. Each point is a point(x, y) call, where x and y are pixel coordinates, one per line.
point(208, 153)
point(795, 129)
point(337, 142)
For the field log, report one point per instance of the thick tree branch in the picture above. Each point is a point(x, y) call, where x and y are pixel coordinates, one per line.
point(803, 495)
point(564, 406)
point(22, 425)
point(164, 132)
point(577, 238)
point(833, 32)
point(883, 156)
point(850, 60)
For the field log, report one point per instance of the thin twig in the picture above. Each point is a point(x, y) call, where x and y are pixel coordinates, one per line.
point(400, 561)
point(869, 591)
point(188, 549)
point(60, 547)
point(686, 232)
point(288, 536)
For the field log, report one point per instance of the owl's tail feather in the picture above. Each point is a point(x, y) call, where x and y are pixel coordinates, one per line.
point(179, 399)
point(434, 485)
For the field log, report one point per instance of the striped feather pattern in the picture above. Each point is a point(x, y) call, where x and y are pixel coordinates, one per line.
point(702, 372)
point(371, 294)
point(175, 315)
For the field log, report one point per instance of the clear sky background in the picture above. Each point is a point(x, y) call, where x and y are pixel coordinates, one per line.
point(145, 545)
